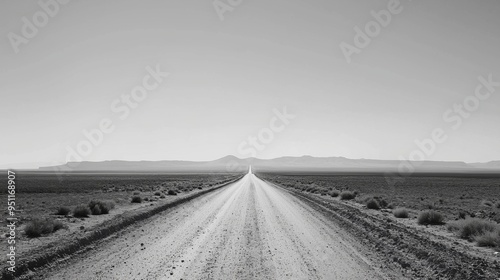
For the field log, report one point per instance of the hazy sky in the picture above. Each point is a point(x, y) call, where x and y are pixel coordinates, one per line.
point(227, 76)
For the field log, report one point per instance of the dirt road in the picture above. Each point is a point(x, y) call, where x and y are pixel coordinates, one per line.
point(247, 230)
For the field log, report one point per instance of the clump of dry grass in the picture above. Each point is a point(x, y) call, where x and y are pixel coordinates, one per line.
point(63, 211)
point(372, 204)
point(347, 195)
point(401, 213)
point(136, 199)
point(171, 192)
point(430, 217)
point(37, 227)
point(471, 228)
point(81, 211)
point(488, 239)
point(99, 207)
point(334, 193)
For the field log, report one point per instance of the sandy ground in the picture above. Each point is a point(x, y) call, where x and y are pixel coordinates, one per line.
point(247, 230)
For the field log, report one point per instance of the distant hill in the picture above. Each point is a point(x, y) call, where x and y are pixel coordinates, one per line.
point(292, 164)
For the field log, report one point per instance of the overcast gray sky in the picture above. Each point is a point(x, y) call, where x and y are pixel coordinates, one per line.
point(227, 76)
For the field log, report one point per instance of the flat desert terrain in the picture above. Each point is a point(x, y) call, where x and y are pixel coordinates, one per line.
point(256, 229)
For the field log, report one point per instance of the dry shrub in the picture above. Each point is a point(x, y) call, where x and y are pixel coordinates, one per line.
point(37, 227)
point(136, 199)
point(347, 195)
point(100, 207)
point(81, 211)
point(372, 204)
point(401, 213)
point(472, 227)
point(334, 193)
point(430, 217)
point(462, 215)
point(171, 192)
point(63, 211)
point(488, 239)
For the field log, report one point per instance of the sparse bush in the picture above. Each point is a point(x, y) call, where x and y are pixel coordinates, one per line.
point(488, 239)
point(347, 195)
point(146, 199)
point(334, 193)
point(430, 217)
point(37, 227)
point(136, 199)
point(372, 204)
point(401, 213)
point(63, 211)
point(57, 225)
point(96, 210)
point(81, 211)
point(171, 192)
point(162, 196)
point(382, 202)
point(472, 227)
point(462, 215)
point(99, 207)
point(136, 193)
point(158, 193)
point(497, 204)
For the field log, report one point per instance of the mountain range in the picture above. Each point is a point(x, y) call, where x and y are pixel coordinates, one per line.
point(291, 164)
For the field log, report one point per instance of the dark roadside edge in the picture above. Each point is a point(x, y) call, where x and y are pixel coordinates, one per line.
point(121, 222)
point(414, 254)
